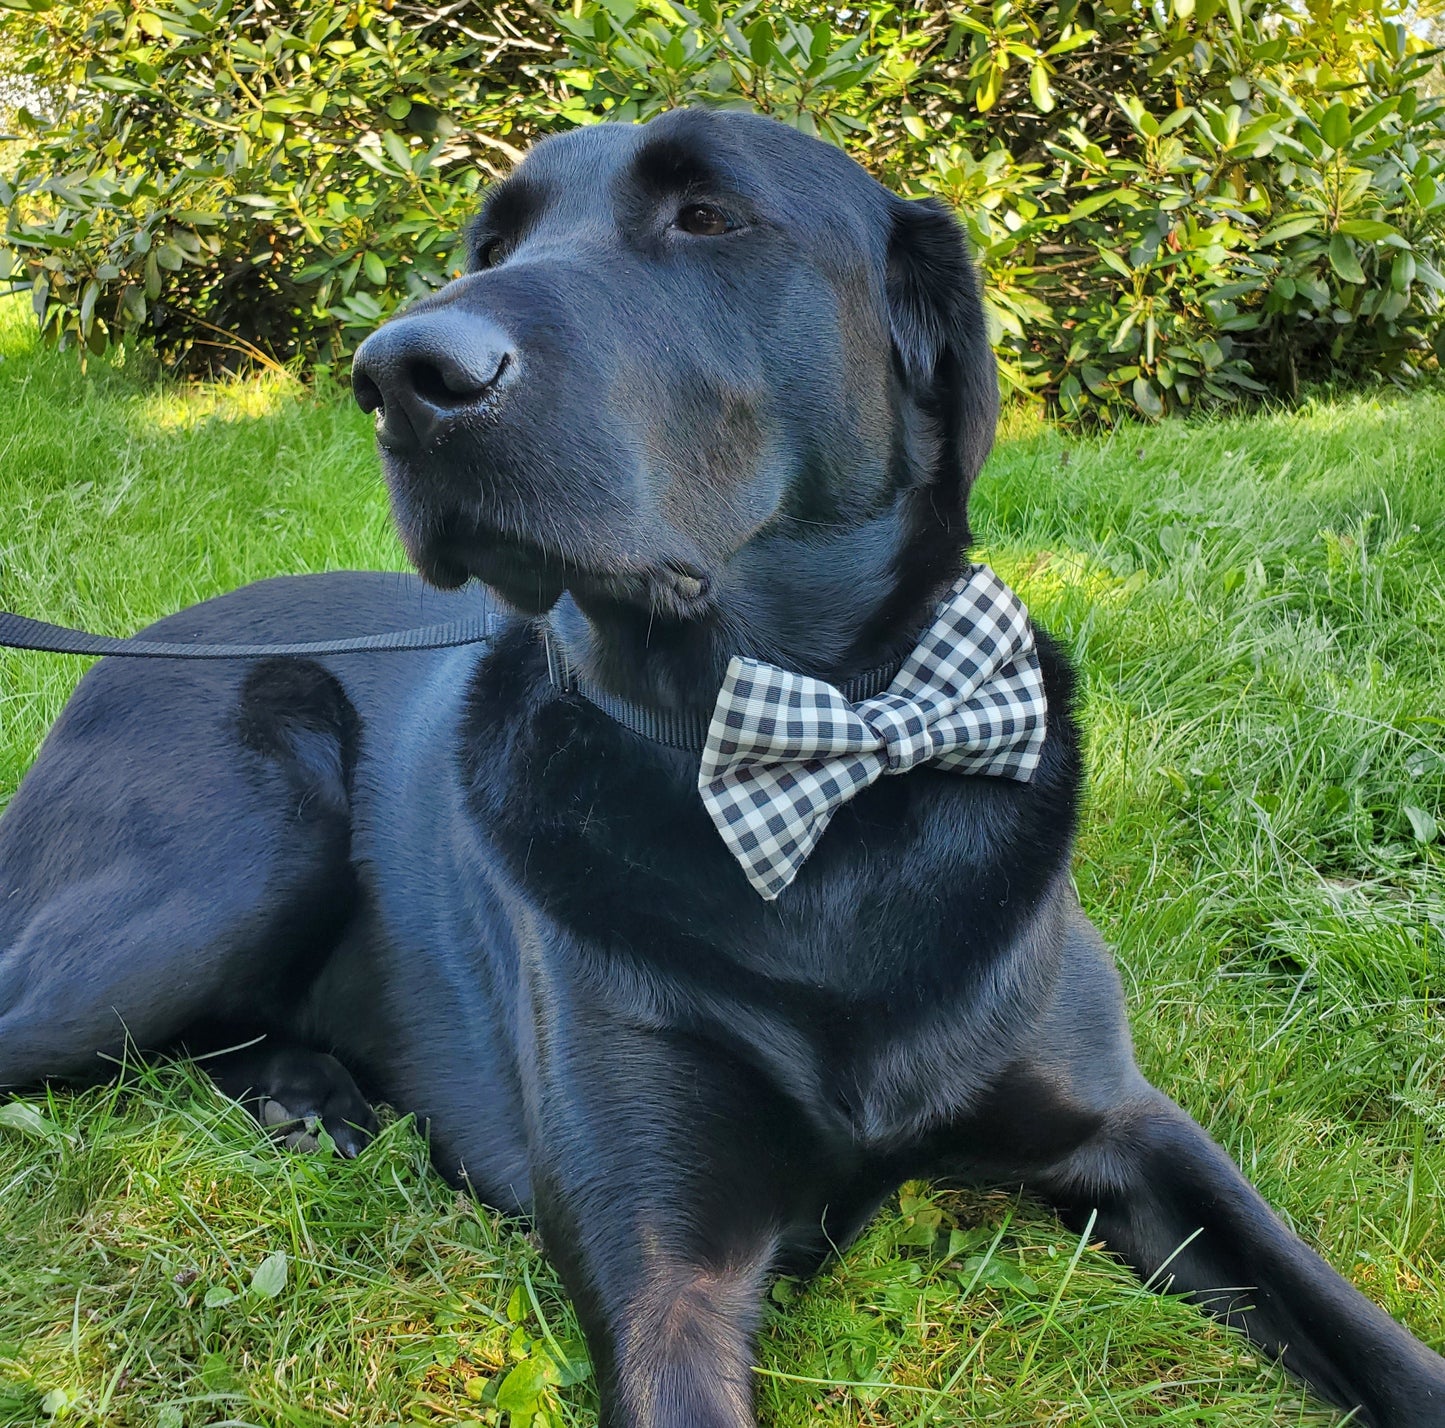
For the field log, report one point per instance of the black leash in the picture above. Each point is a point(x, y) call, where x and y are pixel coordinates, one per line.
point(679, 729)
point(17, 632)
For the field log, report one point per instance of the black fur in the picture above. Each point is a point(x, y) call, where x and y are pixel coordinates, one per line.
point(710, 390)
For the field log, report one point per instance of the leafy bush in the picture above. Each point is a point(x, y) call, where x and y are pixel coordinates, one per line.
point(265, 178)
point(1192, 201)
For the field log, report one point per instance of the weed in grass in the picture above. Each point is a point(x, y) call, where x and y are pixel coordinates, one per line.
point(1258, 608)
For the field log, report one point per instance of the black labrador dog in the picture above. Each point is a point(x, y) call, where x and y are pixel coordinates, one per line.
point(706, 390)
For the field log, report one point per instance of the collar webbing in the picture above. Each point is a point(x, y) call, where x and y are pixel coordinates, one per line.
point(684, 729)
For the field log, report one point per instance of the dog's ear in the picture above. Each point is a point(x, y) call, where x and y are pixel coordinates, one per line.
point(940, 337)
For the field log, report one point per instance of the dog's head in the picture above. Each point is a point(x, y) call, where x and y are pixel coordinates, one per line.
point(692, 361)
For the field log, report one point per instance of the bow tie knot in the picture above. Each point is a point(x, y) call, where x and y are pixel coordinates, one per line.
point(902, 732)
point(785, 751)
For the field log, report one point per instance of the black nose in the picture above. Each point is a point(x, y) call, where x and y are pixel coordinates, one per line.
point(424, 374)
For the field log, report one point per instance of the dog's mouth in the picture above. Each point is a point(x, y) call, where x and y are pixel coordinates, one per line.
point(518, 570)
point(531, 576)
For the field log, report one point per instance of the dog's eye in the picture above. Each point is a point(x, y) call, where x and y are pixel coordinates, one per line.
point(702, 220)
point(490, 253)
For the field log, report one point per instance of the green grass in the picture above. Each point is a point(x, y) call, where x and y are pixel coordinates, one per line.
point(1259, 610)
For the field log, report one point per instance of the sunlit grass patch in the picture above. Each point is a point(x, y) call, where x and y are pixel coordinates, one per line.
point(184, 407)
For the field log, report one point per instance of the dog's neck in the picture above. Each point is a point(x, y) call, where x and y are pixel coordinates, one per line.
point(831, 607)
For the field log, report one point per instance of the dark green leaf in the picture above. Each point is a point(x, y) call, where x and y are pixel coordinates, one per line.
point(1344, 261)
point(1335, 126)
point(1370, 229)
point(1147, 398)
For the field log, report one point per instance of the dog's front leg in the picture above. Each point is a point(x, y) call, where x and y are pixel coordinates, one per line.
point(1167, 1199)
point(660, 1197)
point(1111, 1152)
point(675, 1350)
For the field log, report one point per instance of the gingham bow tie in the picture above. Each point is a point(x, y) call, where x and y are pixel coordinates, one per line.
point(784, 751)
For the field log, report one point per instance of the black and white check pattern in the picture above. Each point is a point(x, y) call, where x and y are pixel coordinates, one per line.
point(785, 751)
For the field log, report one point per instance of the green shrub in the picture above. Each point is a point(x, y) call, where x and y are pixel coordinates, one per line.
point(253, 179)
point(1187, 202)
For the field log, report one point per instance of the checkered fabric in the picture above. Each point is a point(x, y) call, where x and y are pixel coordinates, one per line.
point(784, 751)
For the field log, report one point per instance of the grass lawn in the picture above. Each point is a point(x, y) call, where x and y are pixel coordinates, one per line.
point(1258, 607)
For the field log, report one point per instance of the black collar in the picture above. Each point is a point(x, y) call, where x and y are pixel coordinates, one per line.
point(678, 729)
